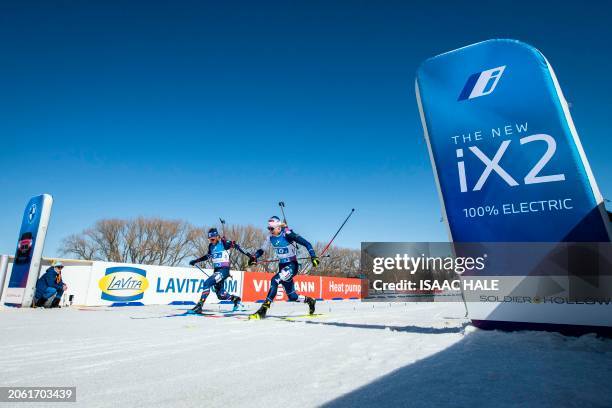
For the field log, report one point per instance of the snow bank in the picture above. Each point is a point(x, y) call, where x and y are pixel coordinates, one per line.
point(416, 354)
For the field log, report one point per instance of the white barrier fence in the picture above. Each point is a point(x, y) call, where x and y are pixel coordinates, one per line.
point(94, 283)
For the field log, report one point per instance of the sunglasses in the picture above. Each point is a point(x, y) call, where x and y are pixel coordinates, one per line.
point(271, 228)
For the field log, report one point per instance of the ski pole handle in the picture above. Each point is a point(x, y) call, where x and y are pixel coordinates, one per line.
point(281, 204)
point(222, 226)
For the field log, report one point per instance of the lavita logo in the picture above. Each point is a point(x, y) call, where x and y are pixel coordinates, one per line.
point(123, 284)
point(481, 83)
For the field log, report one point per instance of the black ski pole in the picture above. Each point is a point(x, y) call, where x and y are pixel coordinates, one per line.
point(337, 232)
point(297, 259)
point(281, 204)
point(222, 226)
point(202, 270)
point(224, 237)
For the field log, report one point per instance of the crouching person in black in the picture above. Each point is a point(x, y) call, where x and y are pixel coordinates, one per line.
point(50, 285)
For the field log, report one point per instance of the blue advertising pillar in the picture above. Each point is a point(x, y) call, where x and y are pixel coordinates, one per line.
point(507, 159)
point(26, 266)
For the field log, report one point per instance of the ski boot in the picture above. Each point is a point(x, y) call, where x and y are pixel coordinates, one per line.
point(39, 302)
point(261, 313)
point(237, 304)
point(197, 309)
point(311, 304)
point(55, 303)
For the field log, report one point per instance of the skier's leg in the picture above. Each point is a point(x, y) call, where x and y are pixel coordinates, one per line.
point(221, 292)
point(292, 295)
point(286, 276)
point(274, 282)
point(210, 282)
point(273, 288)
point(289, 285)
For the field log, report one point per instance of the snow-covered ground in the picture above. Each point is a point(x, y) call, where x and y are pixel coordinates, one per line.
point(356, 354)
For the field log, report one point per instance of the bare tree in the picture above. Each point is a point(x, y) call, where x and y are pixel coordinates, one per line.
point(155, 241)
point(150, 241)
point(79, 246)
point(105, 239)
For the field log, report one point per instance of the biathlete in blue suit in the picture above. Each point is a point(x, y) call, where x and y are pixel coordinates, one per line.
point(282, 239)
point(218, 251)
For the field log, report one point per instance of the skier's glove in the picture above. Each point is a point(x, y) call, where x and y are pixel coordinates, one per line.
point(252, 260)
point(315, 261)
point(193, 262)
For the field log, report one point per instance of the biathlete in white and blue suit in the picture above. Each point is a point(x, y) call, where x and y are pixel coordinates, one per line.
point(218, 251)
point(282, 239)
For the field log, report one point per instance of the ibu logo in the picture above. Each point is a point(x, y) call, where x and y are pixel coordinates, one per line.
point(123, 284)
point(481, 83)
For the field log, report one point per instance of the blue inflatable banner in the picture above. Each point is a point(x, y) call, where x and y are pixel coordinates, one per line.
point(506, 155)
point(29, 250)
point(510, 168)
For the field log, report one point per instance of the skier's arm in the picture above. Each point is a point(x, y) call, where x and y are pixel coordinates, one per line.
point(242, 251)
point(263, 249)
point(293, 237)
point(234, 244)
point(201, 259)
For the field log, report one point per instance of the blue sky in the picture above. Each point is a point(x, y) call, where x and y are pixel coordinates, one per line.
point(196, 110)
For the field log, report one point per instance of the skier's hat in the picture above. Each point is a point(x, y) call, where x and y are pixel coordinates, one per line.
point(274, 222)
point(212, 233)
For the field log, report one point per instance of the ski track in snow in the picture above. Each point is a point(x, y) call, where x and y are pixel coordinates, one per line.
point(369, 354)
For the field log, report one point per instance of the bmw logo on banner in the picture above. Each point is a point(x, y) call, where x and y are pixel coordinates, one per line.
point(506, 155)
